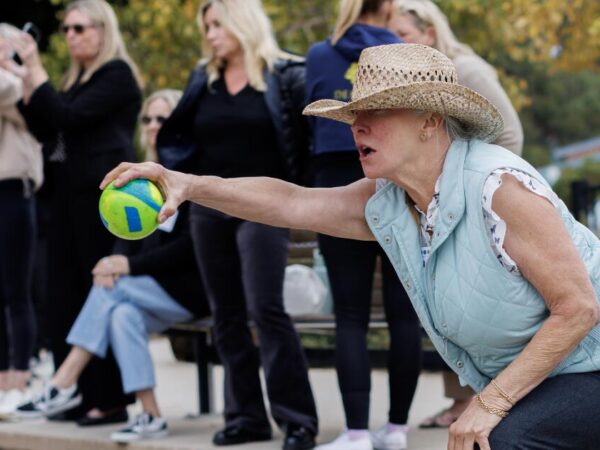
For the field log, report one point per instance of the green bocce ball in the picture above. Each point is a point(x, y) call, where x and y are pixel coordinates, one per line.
point(131, 211)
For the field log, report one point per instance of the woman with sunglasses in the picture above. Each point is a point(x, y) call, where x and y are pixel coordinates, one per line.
point(241, 115)
point(86, 126)
point(142, 288)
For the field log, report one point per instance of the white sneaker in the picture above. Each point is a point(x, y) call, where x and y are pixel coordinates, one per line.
point(11, 400)
point(386, 439)
point(343, 442)
point(144, 426)
point(50, 401)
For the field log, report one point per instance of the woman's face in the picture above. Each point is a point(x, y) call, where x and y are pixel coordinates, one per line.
point(84, 38)
point(157, 112)
point(403, 25)
point(386, 139)
point(224, 44)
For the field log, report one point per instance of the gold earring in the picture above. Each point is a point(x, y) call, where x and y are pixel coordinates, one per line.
point(423, 137)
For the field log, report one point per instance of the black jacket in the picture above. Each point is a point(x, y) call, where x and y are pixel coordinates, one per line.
point(169, 259)
point(285, 101)
point(89, 129)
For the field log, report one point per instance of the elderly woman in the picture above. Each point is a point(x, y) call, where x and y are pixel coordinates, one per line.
point(516, 318)
point(422, 22)
point(86, 126)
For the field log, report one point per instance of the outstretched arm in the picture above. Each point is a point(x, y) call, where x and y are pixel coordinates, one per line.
point(334, 211)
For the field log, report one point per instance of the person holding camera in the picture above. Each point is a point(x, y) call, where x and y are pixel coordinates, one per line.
point(20, 176)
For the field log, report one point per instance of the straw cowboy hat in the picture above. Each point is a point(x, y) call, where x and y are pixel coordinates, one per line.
point(412, 76)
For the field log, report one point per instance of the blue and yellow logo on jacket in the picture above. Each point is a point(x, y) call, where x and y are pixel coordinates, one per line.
point(344, 95)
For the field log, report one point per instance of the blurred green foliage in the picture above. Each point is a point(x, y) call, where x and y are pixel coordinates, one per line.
point(546, 52)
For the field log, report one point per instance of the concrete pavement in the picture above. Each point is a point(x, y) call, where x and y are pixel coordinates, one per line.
point(176, 393)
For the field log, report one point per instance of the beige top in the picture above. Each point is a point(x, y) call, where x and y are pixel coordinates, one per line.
point(474, 73)
point(20, 153)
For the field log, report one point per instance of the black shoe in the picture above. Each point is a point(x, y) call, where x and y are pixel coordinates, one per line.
point(116, 416)
point(72, 415)
point(237, 435)
point(298, 438)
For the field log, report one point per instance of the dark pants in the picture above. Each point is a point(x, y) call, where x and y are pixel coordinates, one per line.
point(562, 413)
point(76, 241)
point(350, 266)
point(17, 249)
point(242, 266)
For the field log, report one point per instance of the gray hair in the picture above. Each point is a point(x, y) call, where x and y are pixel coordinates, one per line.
point(459, 130)
point(455, 129)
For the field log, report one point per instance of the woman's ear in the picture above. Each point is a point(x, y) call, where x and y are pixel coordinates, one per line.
point(432, 121)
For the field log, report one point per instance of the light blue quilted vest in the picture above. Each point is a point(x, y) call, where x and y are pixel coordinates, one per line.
point(478, 316)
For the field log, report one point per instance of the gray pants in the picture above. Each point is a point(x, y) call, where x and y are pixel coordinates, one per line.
point(563, 413)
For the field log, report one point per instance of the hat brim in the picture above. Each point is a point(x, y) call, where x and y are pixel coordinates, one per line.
point(453, 100)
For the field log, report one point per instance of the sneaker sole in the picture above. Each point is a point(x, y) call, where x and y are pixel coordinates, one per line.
point(74, 402)
point(131, 437)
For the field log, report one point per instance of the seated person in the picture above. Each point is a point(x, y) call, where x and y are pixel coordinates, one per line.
point(143, 288)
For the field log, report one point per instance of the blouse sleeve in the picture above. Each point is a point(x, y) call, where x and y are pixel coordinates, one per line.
point(496, 227)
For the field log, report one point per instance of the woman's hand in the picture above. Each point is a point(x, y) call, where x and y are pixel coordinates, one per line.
point(173, 185)
point(109, 269)
point(112, 265)
point(473, 426)
point(32, 70)
point(27, 49)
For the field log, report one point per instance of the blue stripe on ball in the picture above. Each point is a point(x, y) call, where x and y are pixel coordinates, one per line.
point(141, 190)
point(134, 222)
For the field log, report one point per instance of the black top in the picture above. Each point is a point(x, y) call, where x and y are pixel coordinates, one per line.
point(236, 134)
point(169, 259)
point(88, 129)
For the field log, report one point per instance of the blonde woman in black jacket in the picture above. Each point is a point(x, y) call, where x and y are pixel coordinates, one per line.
point(241, 116)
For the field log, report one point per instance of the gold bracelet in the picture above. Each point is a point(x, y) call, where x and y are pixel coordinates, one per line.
point(503, 394)
point(496, 411)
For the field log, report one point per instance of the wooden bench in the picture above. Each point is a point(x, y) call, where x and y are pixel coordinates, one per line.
point(205, 354)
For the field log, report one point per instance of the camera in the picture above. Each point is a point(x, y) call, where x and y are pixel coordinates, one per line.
point(31, 29)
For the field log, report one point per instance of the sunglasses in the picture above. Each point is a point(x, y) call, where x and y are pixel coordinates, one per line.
point(159, 119)
point(78, 28)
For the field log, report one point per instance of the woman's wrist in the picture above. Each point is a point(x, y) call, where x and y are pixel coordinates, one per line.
point(37, 76)
point(492, 397)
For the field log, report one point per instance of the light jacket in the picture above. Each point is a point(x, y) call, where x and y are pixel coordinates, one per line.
point(478, 315)
point(20, 153)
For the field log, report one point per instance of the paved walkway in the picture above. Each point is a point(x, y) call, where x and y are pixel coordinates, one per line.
point(177, 396)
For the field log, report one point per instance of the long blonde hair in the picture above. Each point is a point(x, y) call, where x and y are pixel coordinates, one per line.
point(426, 14)
point(350, 11)
point(248, 22)
point(171, 97)
point(113, 47)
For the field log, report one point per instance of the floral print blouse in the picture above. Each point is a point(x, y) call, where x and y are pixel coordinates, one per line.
point(495, 225)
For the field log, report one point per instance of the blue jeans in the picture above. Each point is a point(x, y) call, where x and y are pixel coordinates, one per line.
point(123, 317)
